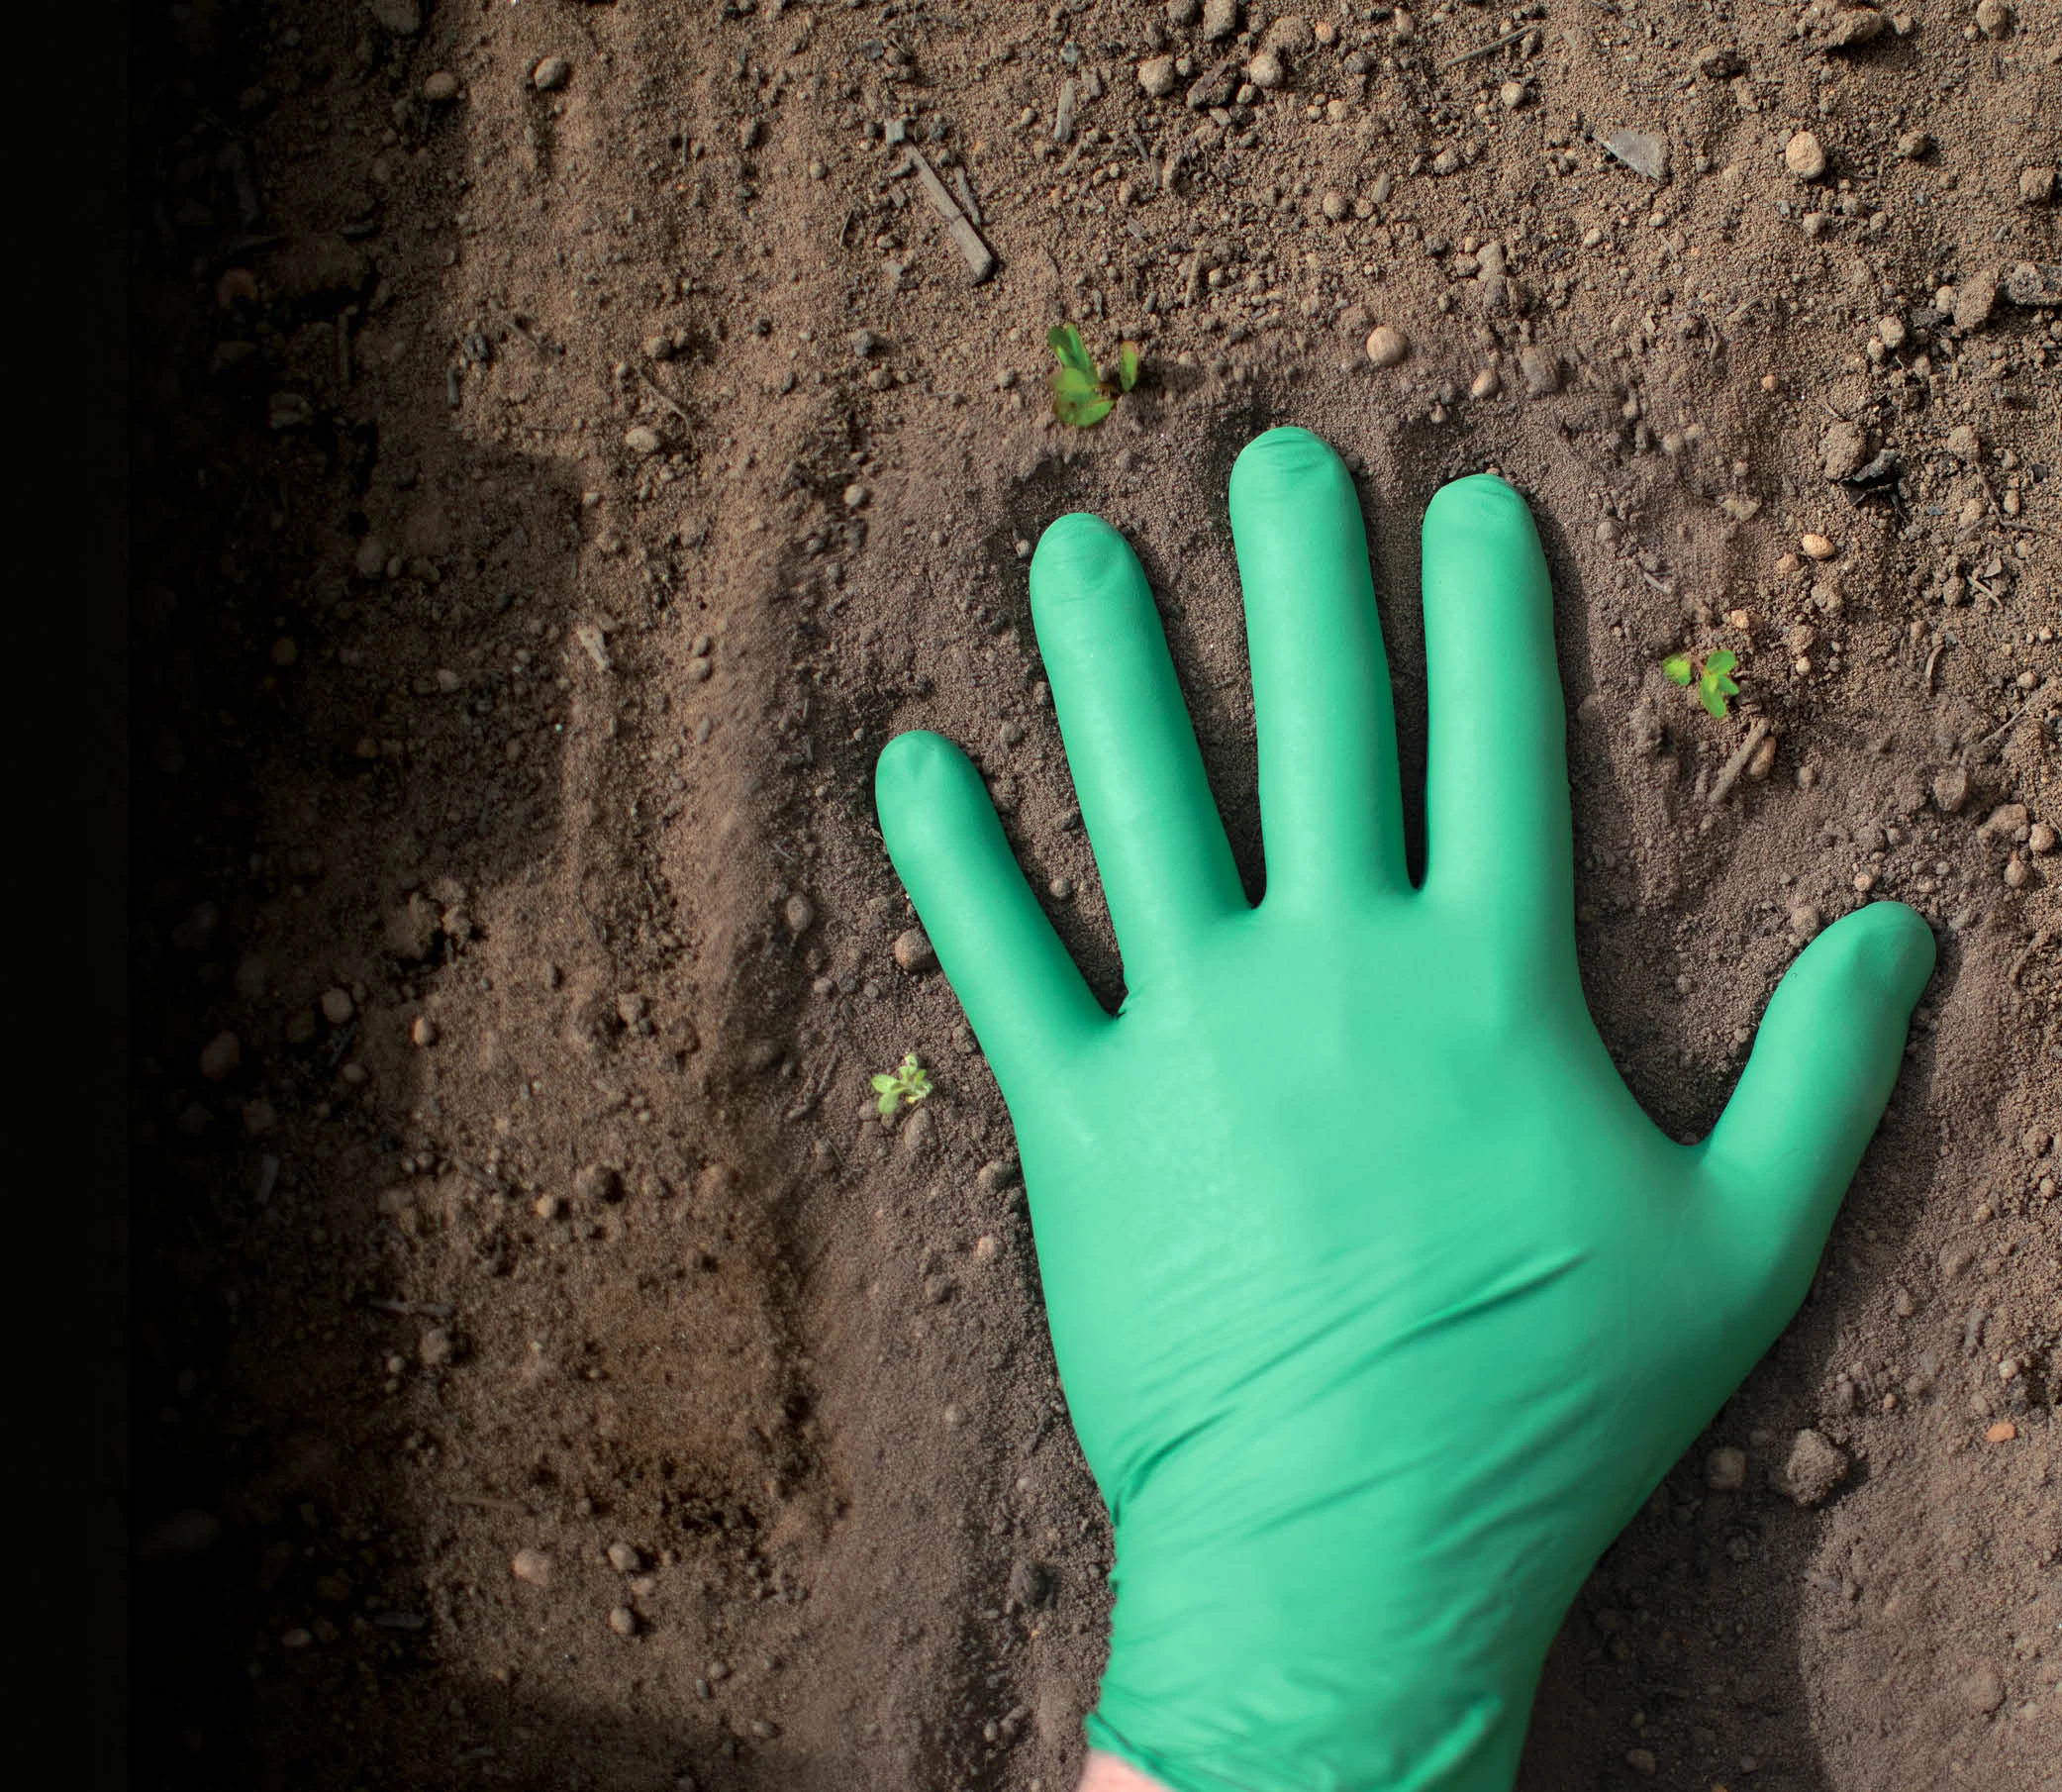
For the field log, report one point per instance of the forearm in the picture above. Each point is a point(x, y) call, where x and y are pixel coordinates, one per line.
point(1102, 1773)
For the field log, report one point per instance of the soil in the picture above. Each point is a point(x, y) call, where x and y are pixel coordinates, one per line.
point(556, 482)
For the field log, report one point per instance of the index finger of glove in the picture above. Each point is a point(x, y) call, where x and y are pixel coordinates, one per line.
point(1024, 996)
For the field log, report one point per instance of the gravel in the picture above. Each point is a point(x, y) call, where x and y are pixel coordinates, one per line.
point(1220, 18)
point(1726, 1469)
point(1541, 372)
point(597, 1183)
point(220, 1056)
point(914, 951)
point(1815, 1467)
point(1843, 449)
point(1157, 77)
point(552, 74)
point(1387, 345)
point(1983, 1690)
point(1805, 155)
point(624, 1558)
point(532, 1566)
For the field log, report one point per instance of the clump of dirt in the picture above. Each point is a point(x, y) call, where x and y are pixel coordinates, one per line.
point(571, 438)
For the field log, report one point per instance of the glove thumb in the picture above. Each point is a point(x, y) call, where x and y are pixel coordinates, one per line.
point(1815, 1087)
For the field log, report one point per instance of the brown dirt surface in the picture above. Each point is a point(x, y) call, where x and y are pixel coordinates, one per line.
point(557, 479)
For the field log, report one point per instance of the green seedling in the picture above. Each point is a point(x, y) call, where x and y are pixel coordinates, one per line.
point(1712, 679)
point(907, 1082)
point(1080, 395)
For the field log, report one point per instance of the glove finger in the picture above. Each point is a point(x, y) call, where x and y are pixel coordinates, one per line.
point(1330, 807)
point(1823, 1062)
point(1498, 837)
point(1166, 867)
point(1024, 996)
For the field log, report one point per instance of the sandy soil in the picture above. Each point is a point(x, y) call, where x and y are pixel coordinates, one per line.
point(569, 442)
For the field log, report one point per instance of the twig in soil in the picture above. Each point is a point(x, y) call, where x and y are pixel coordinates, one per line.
point(2013, 721)
point(665, 398)
point(489, 1505)
point(2041, 935)
point(979, 257)
point(808, 1103)
point(1932, 659)
point(420, 1309)
point(1731, 772)
point(967, 202)
point(1483, 50)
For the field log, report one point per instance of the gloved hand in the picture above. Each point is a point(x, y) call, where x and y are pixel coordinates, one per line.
point(1379, 1303)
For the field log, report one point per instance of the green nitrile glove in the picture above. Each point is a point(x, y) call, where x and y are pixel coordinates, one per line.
point(1379, 1303)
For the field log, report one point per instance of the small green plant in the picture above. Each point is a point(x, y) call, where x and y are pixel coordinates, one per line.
point(1080, 395)
point(1712, 679)
point(907, 1082)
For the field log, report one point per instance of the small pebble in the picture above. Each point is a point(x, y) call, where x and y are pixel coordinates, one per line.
point(441, 87)
point(424, 1032)
point(1976, 297)
point(434, 1350)
point(622, 1621)
point(2037, 186)
point(552, 74)
point(1387, 345)
point(1814, 1469)
point(1265, 72)
point(1485, 384)
point(1843, 449)
point(857, 497)
point(1335, 204)
point(1511, 95)
point(220, 1056)
point(1726, 1469)
point(642, 439)
point(1805, 155)
point(1993, 18)
point(533, 1567)
point(914, 950)
point(1965, 445)
point(798, 912)
point(1982, 1691)
point(597, 1183)
point(1818, 547)
point(2004, 1432)
point(1157, 77)
point(1950, 789)
point(1220, 18)
point(624, 1558)
point(1543, 374)
point(2040, 837)
point(1854, 25)
point(547, 1206)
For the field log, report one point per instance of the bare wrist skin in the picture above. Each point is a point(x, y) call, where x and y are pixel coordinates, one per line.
point(1102, 1773)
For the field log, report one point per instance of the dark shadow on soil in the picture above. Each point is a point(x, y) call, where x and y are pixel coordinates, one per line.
point(293, 753)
